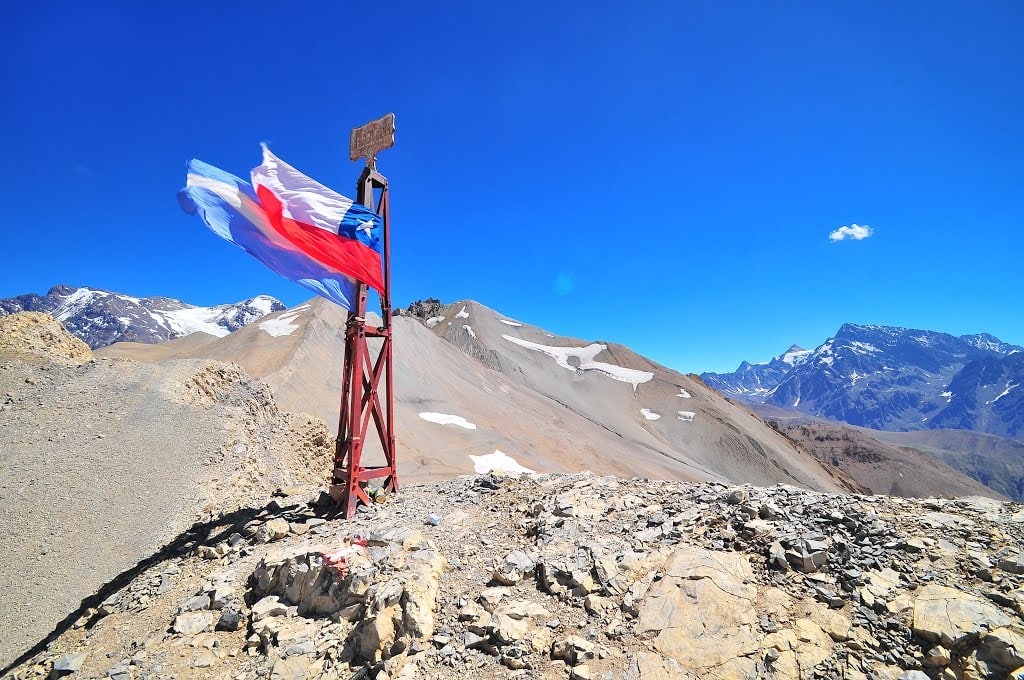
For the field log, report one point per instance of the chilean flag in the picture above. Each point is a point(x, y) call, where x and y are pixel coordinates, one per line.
point(295, 226)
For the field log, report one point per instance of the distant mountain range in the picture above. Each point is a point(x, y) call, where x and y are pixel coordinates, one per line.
point(102, 318)
point(891, 378)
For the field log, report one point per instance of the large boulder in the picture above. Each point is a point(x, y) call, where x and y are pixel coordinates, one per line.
point(952, 617)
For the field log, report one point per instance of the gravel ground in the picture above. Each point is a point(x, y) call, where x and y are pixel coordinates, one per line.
point(105, 462)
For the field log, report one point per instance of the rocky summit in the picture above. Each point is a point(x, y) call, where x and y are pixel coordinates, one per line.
point(571, 576)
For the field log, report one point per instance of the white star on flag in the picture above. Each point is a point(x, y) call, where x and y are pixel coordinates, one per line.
point(365, 226)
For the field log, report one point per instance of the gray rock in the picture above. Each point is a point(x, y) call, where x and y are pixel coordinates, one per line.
point(304, 647)
point(1013, 564)
point(70, 663)
point(193, 623)
point(230, 620)
point(268, 606)
point(195, 604)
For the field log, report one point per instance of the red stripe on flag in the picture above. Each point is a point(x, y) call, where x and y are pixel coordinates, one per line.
point(346, 255)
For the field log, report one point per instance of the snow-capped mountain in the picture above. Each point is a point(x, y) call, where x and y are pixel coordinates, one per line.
point(893, 378)
point(101, 317)
point(987, 395)
point(753, 382)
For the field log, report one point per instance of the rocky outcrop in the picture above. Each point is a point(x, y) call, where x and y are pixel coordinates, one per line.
point(577, 576)
point(40, 335)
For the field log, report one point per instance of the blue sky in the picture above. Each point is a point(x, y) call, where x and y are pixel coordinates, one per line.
point(664, 175)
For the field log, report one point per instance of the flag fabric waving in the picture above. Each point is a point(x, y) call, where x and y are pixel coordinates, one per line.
point(327, 226)
point(230, 208)
point(292, 224)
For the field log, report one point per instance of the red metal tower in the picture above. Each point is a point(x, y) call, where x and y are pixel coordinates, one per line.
point(366, 377)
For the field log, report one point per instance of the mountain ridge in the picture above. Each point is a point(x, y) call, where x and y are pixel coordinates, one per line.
point(893, 378)
point(100, 317)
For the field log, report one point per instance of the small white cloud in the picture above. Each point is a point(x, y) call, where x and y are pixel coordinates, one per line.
point(856, 232)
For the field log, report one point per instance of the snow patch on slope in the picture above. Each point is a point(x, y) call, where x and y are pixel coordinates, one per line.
point(497, 461)
point(282, 325)
point(446, 419)
point(686, 416)
point(469, 329)
point(463, 314)
point(649, 414)
point(510, 323)
point(585, 357)
point(194, 320)
point(1009, 386)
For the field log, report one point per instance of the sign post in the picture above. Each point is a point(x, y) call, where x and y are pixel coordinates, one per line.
point(367, 383)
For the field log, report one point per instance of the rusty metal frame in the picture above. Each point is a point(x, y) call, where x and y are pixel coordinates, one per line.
point(364, 376)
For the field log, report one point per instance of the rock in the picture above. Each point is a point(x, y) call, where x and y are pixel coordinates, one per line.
point(736, 496)
point(912, 675)
point(191, 623)
point(70, 663)
point(513, 568)
point(1013, 564)
point(229, 620)
point(573, 650)
point(221, 596)
point(951, 617)
point(936, 657)
point(195, 604)
point(807, 556)
point(304, 647)
point(702, 611)
point(581, 672)
point(291, 668)
point(273, 530)
point(268, 606)
point(433, 519)
point(1003, 648)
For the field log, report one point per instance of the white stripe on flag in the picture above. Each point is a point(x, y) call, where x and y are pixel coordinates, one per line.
point(303, 199)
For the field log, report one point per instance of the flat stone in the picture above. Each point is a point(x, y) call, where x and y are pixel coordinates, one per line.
point(268, 606)
point(70, 663)
point(950, 617)
point(291, 668)
point(195, 604)
point(192, 623)
point(701, 612)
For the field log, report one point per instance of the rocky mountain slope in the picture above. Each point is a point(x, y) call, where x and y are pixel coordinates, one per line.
point(880, 467)
point(468, 399)
point(105, 461)
point(754, 382)
point(102, 318)
point(573, 576)
point(898, 379)
point(996, 462)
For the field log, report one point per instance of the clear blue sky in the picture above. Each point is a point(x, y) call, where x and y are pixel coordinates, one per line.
point(663, 175)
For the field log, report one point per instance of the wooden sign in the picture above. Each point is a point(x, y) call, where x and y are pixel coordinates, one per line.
point(366, 140)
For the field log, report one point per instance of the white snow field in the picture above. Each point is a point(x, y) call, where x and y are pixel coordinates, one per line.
point(683, 394)
point(497, 461)
point(446, 419)
point(463, 314)
point(649, 414)
point(510, 323)
point(282, 325)
point(585, 357)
